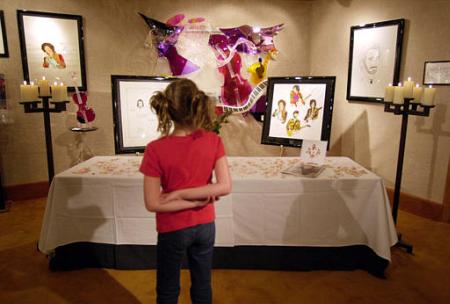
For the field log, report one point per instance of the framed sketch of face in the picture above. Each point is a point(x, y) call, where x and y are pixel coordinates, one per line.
point(298, 108)
point(135, 124)
point(3, 40)
point(375, 57)
point(52, 46)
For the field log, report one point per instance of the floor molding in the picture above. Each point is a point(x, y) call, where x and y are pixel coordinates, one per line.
point(26, 191)
point(418, 206)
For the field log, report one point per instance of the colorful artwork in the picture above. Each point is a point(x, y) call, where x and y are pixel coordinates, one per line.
point(52, 46)
point(52, 59)
point(164, 38)
point(295, 110)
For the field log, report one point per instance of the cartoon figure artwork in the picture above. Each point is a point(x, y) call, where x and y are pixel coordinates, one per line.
point(313, 111)
point(51, 57)
point(313, 151)
point(293, 125)
point(281, 113)
point(296, 96)
point(140, 103)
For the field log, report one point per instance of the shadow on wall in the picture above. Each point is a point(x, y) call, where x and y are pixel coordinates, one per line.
point(355, 142)
point(345, 3)
point(242, 137)
point(436, 130)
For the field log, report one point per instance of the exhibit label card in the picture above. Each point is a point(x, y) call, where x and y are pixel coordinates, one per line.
point(314, 152)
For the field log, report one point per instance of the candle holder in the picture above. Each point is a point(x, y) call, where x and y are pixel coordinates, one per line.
point(405, 109)
point(57, 107)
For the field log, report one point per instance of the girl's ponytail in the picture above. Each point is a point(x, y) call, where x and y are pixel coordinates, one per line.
point(160, 105)
point(202, 111)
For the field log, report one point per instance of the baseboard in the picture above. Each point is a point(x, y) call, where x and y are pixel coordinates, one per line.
point(418, 206)
point(26, 191)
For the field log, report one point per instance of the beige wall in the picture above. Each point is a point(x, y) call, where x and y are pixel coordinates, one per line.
point(114, 44)
point(315, 41)
point(364, 131)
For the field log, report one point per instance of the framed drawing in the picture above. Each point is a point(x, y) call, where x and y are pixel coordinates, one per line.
point(375, 57)
point(298, 108)
point(52, 46)
point(135, 124)
point(436, 73)
point(3, 40)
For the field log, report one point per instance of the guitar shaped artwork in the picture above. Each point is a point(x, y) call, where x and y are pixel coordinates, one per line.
point(85, 114)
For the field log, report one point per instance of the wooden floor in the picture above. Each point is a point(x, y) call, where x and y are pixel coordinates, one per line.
point(420, 278)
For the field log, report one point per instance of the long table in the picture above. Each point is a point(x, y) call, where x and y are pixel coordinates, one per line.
point(269, 215)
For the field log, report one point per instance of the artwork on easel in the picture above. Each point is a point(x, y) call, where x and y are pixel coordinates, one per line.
point(298, 108)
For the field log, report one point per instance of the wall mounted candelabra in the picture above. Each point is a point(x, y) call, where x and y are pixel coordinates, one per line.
point(404, 109)
point(46, 108)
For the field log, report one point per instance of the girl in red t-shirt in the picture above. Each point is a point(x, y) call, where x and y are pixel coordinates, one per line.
point(182, 162)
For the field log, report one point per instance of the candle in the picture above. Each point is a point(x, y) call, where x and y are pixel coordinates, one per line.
point(59, 92)
point(398, 94)
point(428, 96)
point(417, 94)
point(389, 93)
point(29, 92)
point(44, 87)
point(408, 88)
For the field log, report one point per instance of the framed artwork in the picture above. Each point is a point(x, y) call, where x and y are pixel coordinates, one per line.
point(52, 46)
point(3, 40)
point(375, 57)
point(298, 108)
point(135, 124)
point(436, 73)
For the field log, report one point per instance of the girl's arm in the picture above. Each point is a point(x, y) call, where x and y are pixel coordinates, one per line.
point(220, 188)
point(155, 202)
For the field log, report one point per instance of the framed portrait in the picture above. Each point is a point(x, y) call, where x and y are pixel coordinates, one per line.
point(135, 124)
point(375, 57)
point(298, 108)
point(52, 46)
point(436, 73)
point(3, 40)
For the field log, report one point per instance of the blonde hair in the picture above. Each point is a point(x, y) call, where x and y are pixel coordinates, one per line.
point(184, 104)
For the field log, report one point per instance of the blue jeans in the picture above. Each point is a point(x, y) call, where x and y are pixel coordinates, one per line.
point(198, 242)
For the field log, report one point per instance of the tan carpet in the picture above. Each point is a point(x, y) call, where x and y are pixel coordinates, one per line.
point(420, 278)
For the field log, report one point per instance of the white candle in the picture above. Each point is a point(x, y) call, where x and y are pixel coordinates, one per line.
point(417, 94)
point(408, 88)
point(29, 92)
point(428, 96)
point(59, 92)
point(398, 94)
point(44, 87)
point(389, 93)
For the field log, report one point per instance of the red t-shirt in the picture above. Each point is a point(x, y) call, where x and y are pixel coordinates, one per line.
point(183, 162)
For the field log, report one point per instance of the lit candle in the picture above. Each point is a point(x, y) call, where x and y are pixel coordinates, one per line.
point(417, 94)
point(389, 93)
point(428, 96)
point(29, 92)
point(408, 88)
point(59, 92)
point(398, 94)
point(44, 87)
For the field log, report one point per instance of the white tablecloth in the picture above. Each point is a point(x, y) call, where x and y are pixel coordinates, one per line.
point(101, 200)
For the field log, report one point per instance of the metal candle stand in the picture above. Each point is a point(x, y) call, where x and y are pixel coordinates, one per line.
point(405, 109)
point(33, 107)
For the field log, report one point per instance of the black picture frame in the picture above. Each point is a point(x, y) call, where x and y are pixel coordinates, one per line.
point(436, 72)
point(4, 51)
point(374, 59)
point(61, 32)
point(130, 124)
point(276, 126)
